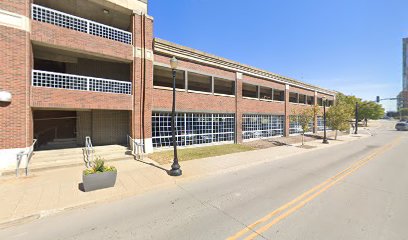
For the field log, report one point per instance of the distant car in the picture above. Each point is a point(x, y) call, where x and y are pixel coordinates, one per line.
point(402, 126)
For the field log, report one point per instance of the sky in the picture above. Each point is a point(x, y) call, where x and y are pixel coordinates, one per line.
point(352, 46)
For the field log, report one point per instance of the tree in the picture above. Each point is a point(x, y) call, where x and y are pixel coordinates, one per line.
point(304, 116)
point(338, 117)
point(370, 110)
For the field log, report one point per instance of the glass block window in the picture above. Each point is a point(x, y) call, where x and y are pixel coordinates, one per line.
point(265, 93)
point(224, 86)
point(198, 82)
point(260, 126)
point(278, 95)
point(320, 124)
point(163, 77)
point(192, 128)
point(249, 90)
point(296, 128)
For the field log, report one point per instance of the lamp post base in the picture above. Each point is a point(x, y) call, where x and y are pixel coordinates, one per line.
point(325, 141)
point(175, 169)
point(175, 172)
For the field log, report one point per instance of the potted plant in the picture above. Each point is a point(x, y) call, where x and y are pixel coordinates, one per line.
point(98, 176)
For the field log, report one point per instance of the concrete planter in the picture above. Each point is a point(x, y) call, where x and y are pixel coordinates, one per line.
point(97, 181)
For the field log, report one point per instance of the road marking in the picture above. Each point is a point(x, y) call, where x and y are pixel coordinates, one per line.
point(308, 196)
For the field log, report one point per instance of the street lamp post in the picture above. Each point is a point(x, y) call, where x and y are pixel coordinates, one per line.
point(175, 167)
point(356, 128)
point(324, 122)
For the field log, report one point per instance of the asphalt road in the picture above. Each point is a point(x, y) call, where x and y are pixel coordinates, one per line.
point(356, 190)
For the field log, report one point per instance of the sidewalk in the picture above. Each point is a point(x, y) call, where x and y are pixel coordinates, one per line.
point(49, 192)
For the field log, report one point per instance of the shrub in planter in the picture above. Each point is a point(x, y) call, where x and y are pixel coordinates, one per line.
point(99, 176)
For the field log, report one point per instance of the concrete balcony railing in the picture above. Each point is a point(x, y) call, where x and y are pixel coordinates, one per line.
point(82, 83)
point(48, 15)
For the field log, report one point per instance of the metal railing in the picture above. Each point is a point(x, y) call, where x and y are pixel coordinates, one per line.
point(28, 153)
point(135, 148)
point(48, 15)
point(88, 152)
point(76, 82)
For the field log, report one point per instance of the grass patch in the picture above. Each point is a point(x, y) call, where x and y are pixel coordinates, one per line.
point(186, 154)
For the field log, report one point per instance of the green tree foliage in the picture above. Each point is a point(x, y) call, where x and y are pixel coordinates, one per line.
point(304, 116)
point(343, 111)
point(338, 117)
point(370, 110)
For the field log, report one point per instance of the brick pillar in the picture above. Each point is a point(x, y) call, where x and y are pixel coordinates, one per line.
point(142, 79)
point(287, 111)
point(15, 75)
point(316, 114)
point(238, 108)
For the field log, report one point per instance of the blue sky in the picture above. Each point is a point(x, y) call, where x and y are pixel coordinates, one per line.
point(353, 46)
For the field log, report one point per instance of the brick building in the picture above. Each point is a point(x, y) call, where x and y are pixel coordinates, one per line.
point(93, 68)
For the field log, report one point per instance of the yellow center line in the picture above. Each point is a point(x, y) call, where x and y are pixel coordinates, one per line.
point(308, 195)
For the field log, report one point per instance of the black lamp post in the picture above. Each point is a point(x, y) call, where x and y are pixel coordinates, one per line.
point(175, 167)
point(324, 122)
point(356, 128)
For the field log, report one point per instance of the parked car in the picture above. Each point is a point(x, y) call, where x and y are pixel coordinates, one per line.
point(402, 126)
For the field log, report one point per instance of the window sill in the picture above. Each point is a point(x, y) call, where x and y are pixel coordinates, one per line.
point(250, 98)
point(199, 92)
point(224, 95)
point(274, 101)
point(169, 88)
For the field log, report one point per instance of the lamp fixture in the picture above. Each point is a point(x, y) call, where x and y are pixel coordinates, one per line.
point(5, 96)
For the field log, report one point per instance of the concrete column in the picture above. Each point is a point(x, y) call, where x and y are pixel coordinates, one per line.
point(142, 79)
point(238, 108)
point(287, 111)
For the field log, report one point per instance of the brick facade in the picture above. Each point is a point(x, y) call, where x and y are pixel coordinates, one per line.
point(69, 99)
point(52, 36)
point(14, 71)
point(137, 63)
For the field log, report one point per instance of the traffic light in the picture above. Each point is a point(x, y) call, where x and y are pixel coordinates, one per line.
point(378, 99)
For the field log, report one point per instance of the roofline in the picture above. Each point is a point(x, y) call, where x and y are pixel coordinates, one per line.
point(182, 52)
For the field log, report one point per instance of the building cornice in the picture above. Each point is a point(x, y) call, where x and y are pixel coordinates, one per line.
point(172, 49)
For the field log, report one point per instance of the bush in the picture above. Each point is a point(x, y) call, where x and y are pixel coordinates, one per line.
point(98, 166)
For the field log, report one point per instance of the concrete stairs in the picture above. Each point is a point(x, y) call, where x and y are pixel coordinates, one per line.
point(60, 143)
point(52, 159)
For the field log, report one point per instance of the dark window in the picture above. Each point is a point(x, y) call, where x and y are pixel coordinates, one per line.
point(330, 103)
point(249, 90)
point(293, 97)
point(51, 66)
point(302, 98)
point(198, 82)
point(320, 101)
point(223, 86)
point(163, 77)
point(265, 93)
point(310, 100)
point(278, 95)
